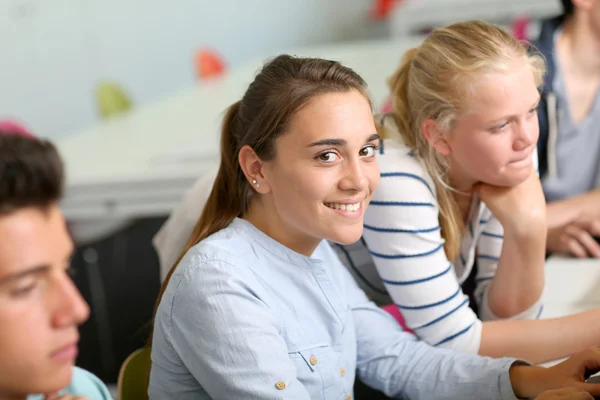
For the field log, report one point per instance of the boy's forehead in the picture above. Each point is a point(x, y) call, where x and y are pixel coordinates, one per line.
point(32, 237)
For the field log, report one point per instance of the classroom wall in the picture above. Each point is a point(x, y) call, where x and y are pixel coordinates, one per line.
point(53, 52)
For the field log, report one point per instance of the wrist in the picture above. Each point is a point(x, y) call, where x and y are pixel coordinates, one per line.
point(527, 381)
point(528, 233)
point(532, 225)
point(586, 204)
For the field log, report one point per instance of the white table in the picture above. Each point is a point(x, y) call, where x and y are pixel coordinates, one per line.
point(414, 15)
point(572, 286)
point(139, 165)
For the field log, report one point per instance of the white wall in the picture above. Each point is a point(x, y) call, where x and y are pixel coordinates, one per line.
point(53, 52)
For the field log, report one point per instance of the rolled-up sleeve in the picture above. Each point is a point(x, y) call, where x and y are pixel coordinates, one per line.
point(398, 364)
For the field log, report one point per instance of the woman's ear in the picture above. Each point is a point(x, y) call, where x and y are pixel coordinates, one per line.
point(252, 166)
point(435, 137)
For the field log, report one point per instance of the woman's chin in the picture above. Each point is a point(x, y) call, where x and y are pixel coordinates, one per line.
point(510, 179)
point(348, 237)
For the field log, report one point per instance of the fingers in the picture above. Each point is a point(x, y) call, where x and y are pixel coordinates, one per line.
point(572, 245)
point(593, 227)
point(593, 389)
point(582, 239)
point(565, 394)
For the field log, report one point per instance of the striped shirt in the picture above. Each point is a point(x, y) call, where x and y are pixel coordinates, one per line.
point(402, 241)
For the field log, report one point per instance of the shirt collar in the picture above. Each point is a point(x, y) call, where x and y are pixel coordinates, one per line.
point(274, 247)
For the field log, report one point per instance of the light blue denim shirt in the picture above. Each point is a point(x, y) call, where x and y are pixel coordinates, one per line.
point(244, 317)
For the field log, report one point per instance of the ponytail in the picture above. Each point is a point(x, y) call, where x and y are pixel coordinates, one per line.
point(227, 199)
point(450, 219)
point(398, 84)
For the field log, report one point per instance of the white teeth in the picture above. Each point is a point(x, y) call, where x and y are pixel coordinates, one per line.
point(344, 207)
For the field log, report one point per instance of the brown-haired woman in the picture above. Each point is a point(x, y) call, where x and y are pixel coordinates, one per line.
point(260, 307)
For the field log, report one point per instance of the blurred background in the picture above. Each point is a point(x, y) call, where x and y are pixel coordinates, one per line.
point(131, 91)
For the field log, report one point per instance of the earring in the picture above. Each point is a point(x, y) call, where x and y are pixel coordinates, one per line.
point(255, 183)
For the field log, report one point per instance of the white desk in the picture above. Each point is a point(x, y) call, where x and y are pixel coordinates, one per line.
point(572, 286)
point(414, 15)
point(141, 163)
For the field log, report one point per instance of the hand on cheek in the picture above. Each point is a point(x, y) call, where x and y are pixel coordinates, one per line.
point(521, 209)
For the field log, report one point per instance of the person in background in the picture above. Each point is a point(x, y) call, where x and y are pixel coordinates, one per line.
point(260, 307)
point(40, 308)
point(459, 189)
point(569, 118)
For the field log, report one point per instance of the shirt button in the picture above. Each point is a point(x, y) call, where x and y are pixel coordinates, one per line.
point(280, 385)
point(348, 397)
point(342, 372)
point(313, 360)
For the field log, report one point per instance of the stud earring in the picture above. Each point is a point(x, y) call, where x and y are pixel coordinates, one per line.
point(255, 183)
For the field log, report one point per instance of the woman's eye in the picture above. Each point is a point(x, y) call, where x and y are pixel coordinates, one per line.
point(328, 157)
point(498, 128)
point(368, 151)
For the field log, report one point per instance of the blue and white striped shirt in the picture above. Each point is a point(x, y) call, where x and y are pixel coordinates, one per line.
point(402, 235)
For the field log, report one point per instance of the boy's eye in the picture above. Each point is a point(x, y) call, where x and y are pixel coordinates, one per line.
point(23, 290)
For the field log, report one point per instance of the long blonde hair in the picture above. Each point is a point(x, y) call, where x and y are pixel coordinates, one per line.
point(434, 81)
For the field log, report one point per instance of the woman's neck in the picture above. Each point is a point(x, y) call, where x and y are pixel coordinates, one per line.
point(462, 192)
point(579, 46)
point(264, 217)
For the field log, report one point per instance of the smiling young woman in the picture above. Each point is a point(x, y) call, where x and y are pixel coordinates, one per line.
point(260, 307)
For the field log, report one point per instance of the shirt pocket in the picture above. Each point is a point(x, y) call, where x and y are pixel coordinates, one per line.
point(314, 367)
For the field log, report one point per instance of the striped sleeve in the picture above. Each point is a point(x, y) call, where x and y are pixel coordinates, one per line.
point(402, 233)
point(489, 248)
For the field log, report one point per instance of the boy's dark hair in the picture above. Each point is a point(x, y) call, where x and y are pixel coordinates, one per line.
point(568, 7)
point(31, 173)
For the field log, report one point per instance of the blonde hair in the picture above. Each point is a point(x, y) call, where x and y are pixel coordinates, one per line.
point(434, 81)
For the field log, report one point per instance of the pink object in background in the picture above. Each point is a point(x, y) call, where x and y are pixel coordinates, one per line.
point(386, 107)
point(519, 28)
point(393, 310)
point(381, 9)
point(8, 126)
point(208, 64)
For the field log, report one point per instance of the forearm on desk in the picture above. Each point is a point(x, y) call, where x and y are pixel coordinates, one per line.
point(542, 340)
point(586, 206)
point(519, 279)
point(399, 365)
